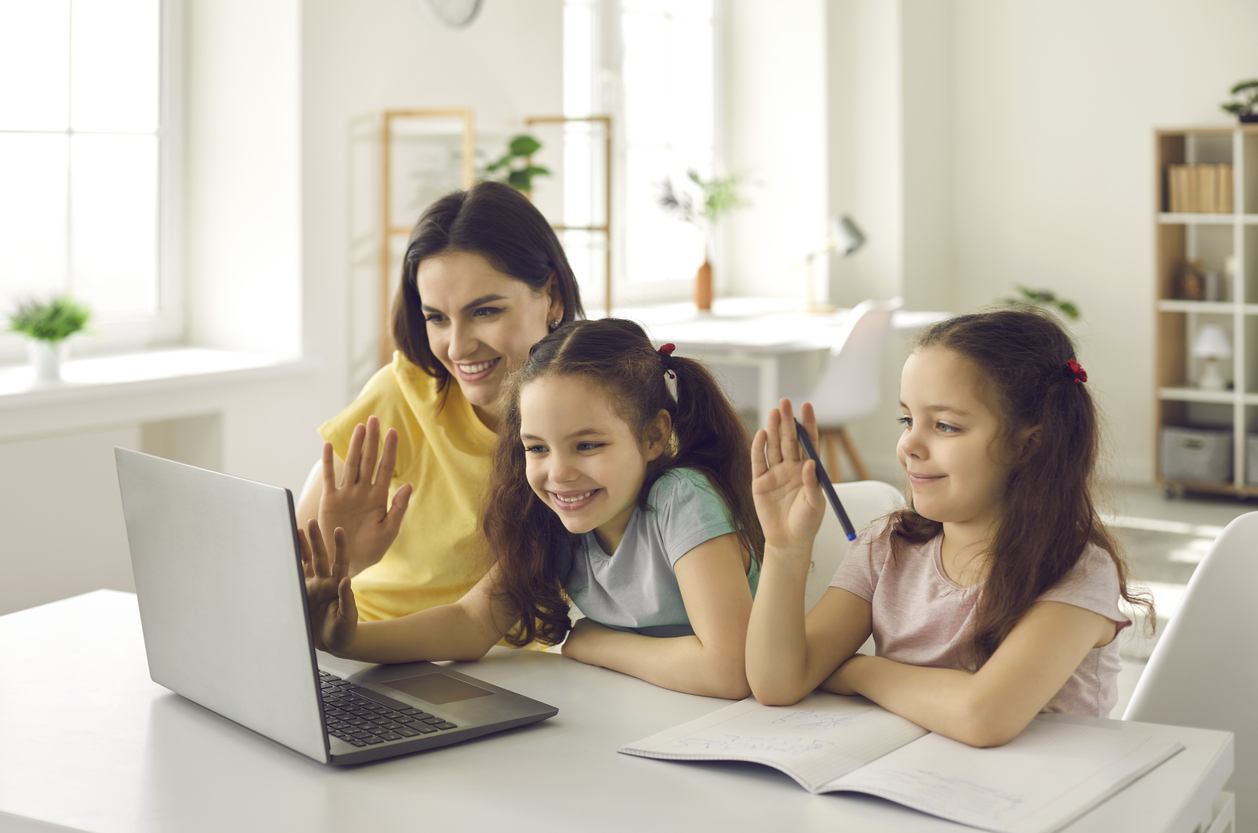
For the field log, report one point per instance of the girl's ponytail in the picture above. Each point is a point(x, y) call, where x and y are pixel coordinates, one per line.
point(712, 438)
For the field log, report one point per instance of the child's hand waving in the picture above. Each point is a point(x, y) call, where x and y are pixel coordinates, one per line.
point(333, 613)
point(360, 503)
point(787, 494)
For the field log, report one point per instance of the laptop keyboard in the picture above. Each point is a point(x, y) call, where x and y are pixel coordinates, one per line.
point(363, 717)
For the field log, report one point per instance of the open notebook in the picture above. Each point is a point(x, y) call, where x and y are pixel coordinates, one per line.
point(1048, 776)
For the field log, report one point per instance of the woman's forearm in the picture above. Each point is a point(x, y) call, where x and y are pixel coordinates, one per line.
point(438, 633)
point(681, 663)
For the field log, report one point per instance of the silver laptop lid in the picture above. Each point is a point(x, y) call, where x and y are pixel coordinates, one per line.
point(219, 586)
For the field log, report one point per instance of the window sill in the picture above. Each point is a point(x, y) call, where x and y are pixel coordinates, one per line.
point(156, 371)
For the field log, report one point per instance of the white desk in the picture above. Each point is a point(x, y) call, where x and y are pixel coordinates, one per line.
point(761, 333)
point(90, 743)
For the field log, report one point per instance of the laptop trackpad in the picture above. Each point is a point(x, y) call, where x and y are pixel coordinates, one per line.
point(437, 689)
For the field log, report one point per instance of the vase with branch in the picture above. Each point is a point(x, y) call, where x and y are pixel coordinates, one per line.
point(702, 204)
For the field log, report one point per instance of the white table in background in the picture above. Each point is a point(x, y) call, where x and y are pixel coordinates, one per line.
point(761, 333)
point(90, 743)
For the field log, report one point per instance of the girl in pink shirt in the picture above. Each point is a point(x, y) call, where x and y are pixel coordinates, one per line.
point(995, 595)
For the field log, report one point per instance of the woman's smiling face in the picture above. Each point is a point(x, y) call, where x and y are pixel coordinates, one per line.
point(581, 458)
point(481, 323)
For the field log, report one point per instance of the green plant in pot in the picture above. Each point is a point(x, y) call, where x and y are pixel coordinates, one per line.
point(46, 326)
point(702, 206)
point(514, 167)
point(1045, 298)
point(1245, 107)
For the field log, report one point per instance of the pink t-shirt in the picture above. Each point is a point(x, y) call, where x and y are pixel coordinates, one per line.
point(921, 617)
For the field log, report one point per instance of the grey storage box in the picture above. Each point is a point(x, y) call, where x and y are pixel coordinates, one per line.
point(1196, 455)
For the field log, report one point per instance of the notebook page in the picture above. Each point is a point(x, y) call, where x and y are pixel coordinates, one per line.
point(818, 739)
point(1039, 782)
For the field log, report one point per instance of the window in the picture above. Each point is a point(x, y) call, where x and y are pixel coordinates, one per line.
point(660, 91)
point(83, 147)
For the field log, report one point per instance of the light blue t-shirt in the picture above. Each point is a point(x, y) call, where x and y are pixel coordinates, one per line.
point(635, 588)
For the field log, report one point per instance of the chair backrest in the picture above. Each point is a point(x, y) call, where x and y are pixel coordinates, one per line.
point(865, 501)
point(850, 387)
point(1202, 671)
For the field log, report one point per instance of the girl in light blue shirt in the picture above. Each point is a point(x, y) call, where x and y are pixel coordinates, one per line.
point(621, 482)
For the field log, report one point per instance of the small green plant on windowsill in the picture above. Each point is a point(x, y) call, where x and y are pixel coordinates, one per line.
point(52, 321)
point(46, 326)
point(514, 167)
point(1044, 298)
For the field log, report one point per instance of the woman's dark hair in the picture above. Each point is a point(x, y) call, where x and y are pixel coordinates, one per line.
point(1021, 356)
point(616, 355)
point(498, 223)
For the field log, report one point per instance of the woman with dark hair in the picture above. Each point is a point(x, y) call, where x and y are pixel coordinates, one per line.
point(483, 280)
point(621, 481)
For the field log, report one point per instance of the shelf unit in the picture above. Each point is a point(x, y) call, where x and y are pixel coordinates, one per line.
point(1211, 239)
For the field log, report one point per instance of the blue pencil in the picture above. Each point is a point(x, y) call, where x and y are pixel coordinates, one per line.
point(824, 479)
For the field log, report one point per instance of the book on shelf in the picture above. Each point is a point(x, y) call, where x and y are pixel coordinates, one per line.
point(1199, 189)
point(1039, 782)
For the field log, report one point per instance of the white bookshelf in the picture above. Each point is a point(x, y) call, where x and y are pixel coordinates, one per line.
point(1210, 238)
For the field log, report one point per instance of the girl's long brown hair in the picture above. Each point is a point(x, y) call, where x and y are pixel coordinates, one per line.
point(1048, 515)
point(525, 535)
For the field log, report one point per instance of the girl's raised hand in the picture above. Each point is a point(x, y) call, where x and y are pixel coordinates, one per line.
point(784, 483)
point(333, 613)
point(360, 503)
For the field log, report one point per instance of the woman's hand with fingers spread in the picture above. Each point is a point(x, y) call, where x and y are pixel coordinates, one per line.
point(333, 613)
point(359, 504)
point(784, 484)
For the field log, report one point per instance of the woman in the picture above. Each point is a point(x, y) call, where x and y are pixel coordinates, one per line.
point(484, 279)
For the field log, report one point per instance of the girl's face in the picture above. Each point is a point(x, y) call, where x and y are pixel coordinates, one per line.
point(481, 323)
point(581, 458)
point(949, 447)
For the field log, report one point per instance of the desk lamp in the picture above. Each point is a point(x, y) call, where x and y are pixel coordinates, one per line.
point(846, 237)
point(1211, 344)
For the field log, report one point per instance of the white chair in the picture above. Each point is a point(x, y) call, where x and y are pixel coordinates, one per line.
point(865, 501)
point(1203, 671)
point(850, 387)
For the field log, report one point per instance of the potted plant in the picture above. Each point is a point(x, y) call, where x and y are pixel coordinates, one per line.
point(46, 326)
point(514, 167)
point(1246, 109)
point(1045, 298)
point(716, 197)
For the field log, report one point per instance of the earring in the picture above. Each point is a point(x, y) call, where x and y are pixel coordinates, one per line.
point(554, 325)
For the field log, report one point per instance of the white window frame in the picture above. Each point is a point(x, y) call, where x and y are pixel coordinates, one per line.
point(167, 325)
point(607, 72)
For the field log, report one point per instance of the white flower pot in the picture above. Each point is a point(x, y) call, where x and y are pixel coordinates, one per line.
point(46, 357)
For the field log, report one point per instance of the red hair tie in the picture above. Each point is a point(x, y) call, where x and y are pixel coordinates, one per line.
point(1076, 370)
point(666, 355)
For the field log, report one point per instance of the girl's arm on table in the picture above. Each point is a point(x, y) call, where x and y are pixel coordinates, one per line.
point(714, 588)
point(993, 705)
point(788, 655)
point(465, 630)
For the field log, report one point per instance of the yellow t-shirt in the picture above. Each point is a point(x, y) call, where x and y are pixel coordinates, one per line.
point(445, 451)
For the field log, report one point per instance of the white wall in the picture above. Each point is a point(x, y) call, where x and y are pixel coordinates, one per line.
point(1027, 133)
point(1056, 103)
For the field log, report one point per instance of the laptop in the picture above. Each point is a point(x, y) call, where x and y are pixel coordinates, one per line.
point(223, 606)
